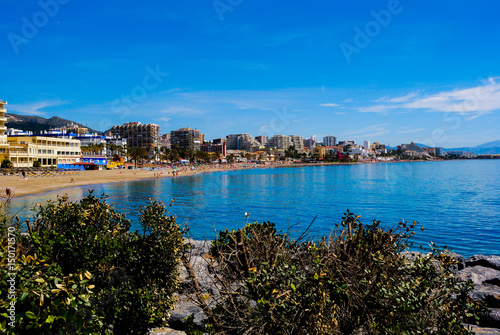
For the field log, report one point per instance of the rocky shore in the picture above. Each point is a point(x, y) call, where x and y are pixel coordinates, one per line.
point(482, 270)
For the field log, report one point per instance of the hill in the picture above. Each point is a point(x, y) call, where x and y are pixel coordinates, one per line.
point(489, 148)
point(38, 124)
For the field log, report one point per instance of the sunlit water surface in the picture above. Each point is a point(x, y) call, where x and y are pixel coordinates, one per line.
point(457, 202)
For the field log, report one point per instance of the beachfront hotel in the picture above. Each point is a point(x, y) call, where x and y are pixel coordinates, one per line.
point(138, 135)
point(24, 150)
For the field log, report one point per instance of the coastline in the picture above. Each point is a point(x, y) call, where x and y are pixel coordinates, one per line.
point(30, 185)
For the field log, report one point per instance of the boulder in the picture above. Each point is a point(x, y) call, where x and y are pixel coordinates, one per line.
point(460, 262)
point(165, 331)
point(492, 319)
point(479, 275)
point(484, 331)
point(184, 308)
point(489, 294)
point(492, 262)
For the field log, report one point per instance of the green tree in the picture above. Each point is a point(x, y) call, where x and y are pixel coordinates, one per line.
point(138, 153)
point(291, 152)
point(6, 164)
point(84, 272)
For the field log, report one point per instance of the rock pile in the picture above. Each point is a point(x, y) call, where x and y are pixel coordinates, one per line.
point(484, 272)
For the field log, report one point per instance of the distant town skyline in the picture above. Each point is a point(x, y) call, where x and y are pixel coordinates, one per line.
point(387, 71)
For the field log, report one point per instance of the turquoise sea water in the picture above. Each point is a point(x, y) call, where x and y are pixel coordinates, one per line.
point(457, 202)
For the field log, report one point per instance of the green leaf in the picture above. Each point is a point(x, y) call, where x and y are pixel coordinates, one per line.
point(292, 286)
point(30, 315)
point(23, 296)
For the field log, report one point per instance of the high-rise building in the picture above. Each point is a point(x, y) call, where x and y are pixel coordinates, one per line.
point(165, 141)
point(329, 141)
point(281, 142)
point(297, 142)
point(242, 142)
point(4, 145)
point(262, 139)
point(366, 145)
point(309, 143)
point(439, 151)
point(138, 135)
point(186, 138)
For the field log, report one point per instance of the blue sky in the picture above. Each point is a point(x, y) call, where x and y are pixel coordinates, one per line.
point(387, 71)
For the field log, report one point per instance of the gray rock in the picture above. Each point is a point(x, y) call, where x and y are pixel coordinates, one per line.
point(198, 248)
point(184, 308)
point(479, 275)
point(492, 320)
point(484, 331)
point(489, 294)
point(492, 262)
point(460, 262)
point(165, 331)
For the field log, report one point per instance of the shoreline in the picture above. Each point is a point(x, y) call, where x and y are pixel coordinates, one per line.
point(32, 185)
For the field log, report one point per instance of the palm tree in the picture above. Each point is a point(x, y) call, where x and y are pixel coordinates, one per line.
point(138, 153)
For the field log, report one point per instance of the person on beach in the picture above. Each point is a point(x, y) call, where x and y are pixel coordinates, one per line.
point(7, 192)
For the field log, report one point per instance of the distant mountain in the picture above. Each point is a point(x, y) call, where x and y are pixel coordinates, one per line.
point(422, 145)
point(490, 148)
point(38, 124)
point(494, 144)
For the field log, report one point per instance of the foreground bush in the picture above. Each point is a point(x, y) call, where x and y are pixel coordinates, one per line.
point(80, 270)
point(357, 280)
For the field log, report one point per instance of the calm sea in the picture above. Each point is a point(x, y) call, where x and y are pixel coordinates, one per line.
point(457, 202)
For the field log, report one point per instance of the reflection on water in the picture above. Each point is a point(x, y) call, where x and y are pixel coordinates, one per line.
point(457, 202)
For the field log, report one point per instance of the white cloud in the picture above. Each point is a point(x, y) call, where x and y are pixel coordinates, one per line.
point(474, 101)
point(329, 105)
point(410, 131)
point(369, 131)
point(35, 108)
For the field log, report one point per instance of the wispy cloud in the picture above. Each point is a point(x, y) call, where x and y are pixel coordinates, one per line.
point(474, 101)
point(329, 105)
point(369, 131)
point(410, 131)
point(35, 108)
point(181, 111)
point(405, 98)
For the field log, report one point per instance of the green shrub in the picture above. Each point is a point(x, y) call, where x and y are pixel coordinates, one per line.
point(356, 280)
point(6, 164)
point(97, 275)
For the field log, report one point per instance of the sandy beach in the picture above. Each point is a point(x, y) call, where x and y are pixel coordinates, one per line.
point(20, 186)
point(41, 182)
